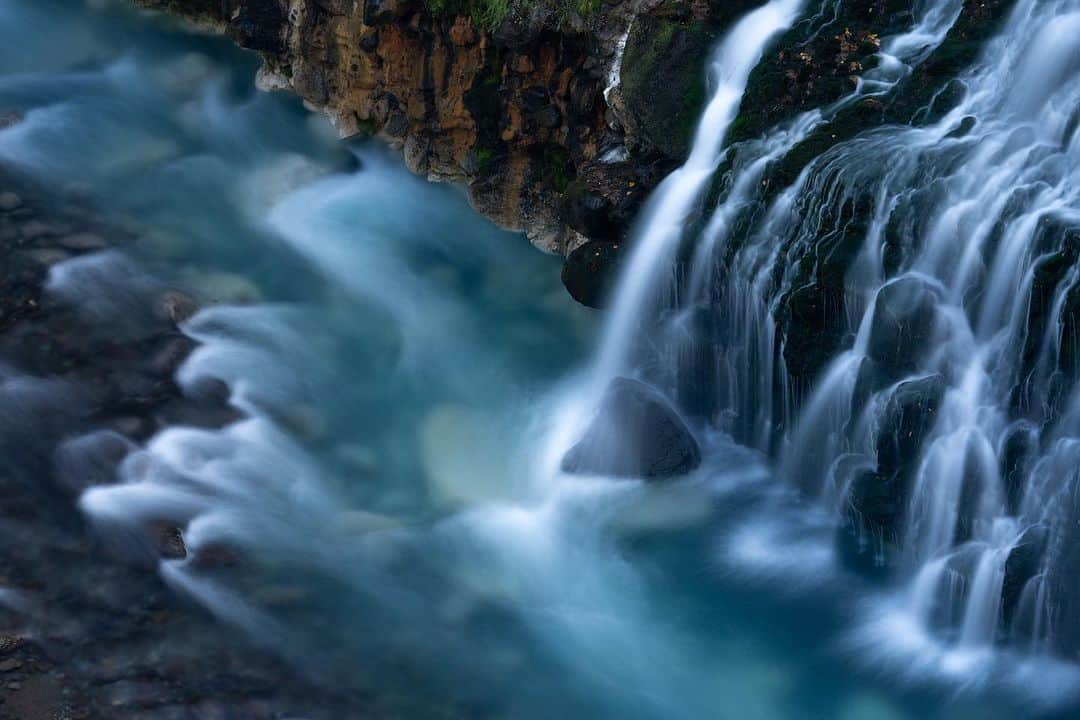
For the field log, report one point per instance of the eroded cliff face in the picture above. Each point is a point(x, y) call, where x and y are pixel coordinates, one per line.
point(560, 116)
point(515, 110)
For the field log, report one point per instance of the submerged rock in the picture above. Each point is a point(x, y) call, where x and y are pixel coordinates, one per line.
point(636, 434)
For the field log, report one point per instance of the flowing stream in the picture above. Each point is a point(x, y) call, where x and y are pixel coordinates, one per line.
point(409, 378)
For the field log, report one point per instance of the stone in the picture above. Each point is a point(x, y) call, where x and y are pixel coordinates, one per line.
point(83, 242)
point(8, 118)
point(590, 272)
point(170, 356)
point(635, 434)
point(168, 541)
point(10, 664)
point(36, 229)
point(47, 257)
point(176, 307)
point(902, 327)
point(10, 201)
point(89, 460)
point(1022, 564)
point(909, 417)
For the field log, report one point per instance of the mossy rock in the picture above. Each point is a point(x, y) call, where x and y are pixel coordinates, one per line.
point(663, 78)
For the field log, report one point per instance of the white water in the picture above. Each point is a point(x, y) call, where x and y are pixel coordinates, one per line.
point(669, 209)
point(972, 207)
point(398, 473)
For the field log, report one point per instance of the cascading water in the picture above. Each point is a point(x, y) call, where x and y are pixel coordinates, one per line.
point(942, 255)
point(668, 211)
point(389, 513)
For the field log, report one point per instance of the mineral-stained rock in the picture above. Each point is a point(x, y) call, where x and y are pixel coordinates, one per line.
point(515, 99)
point(590, 272)
point(635, 434)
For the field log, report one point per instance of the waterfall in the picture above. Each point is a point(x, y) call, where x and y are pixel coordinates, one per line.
point(935, 263)
point(668, 211)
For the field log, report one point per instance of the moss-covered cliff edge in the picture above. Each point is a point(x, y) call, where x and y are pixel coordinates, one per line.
point(519, 101)
point(560, 116)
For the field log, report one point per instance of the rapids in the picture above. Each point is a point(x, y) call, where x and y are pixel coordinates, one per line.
point(409, 377)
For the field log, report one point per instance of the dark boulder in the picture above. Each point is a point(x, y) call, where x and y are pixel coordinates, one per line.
point(663, 78)
point(868, 537)
point(590, 272)
point(909, 417)
point(1017, 451)
point(902, 327)
point(259, 25)
point(871, 531)
point(1023, 563)
point(813, 327)
point(635, 434)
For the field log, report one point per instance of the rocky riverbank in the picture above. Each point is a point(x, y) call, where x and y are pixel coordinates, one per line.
point(84, 632)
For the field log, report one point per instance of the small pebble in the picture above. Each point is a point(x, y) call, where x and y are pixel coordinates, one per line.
point(36, 229)
point(9, 201)
point(175, 306)
point(84, 242)
point(48, 256)
point(10, 664)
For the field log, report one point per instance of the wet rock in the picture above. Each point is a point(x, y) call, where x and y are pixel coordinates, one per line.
point(170, 355)
point(168, 541)
point(47, 257)
point(902, 328)
point(8, 118)
point(10, 201)
point(813, 326)
point(36, 229)
point(90, 460)
point(635, 434)
point(663, 78)
point(83, 242)
point(259, 25)
point(134, 693)
point(869, 536)
point(1019, 447)
point(909, 416)
point(590, 272)
point(1023, 563)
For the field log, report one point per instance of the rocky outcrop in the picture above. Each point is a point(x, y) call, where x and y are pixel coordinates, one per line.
point(636, 434)
point(559, 116)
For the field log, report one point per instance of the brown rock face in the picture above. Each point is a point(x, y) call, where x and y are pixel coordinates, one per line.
point(525, 108)
point(513, 110)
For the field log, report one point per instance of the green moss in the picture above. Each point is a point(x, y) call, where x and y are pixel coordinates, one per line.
point(365, 128)
point(663, 78)
point(554, 167)
point(489, 14)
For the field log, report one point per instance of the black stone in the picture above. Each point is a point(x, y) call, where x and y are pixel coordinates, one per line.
point(636, 434)
point(590, 272)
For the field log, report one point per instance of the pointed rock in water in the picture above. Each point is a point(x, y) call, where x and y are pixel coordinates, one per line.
point(1023, 563)
point(590, 272)
point(636, 434)
point(903, 327)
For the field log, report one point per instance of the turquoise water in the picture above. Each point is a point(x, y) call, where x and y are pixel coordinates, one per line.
point(402, 364)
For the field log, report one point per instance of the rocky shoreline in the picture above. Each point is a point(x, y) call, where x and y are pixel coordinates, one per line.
point(86, 633)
